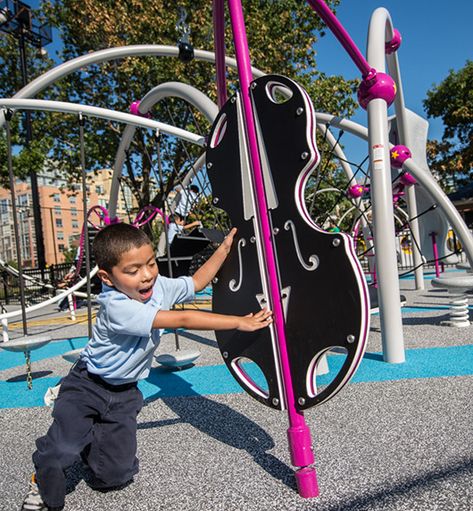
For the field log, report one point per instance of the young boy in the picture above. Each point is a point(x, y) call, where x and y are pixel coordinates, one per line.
point(96, 409)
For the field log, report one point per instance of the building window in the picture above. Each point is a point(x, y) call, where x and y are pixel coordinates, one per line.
point(57, 210)
point(72, 199)
point(56, 197)
point(74, 211)
point(4, 203)
point(23, 200)
point(60, 235)
point(75, 224)
point(58, 222)
point(61, 247)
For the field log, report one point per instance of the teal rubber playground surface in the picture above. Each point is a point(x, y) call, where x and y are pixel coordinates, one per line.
point(216, 379)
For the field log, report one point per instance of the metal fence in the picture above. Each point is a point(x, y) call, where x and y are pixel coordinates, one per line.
point(39, 284)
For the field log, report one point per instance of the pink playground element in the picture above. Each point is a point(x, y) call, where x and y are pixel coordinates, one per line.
point(147, 214)
point(393, 45)
point(356, 191)
point(381, 86)
point(135, 110)
point(399, 154)
point(408, 179)
point(103, 216)
point(397, 196)
point(436, 253)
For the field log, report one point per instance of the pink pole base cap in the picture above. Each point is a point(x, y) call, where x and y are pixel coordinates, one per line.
point(306, 479)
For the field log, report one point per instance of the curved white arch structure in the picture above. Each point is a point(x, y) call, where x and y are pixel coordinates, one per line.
point(97, 57)
point(102, 113)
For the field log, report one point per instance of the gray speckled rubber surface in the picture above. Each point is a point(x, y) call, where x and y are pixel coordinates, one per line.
point(385, 446)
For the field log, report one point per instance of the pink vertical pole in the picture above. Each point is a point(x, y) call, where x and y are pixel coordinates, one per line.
point(436, 253)
point(219, 44)
point(300, 443)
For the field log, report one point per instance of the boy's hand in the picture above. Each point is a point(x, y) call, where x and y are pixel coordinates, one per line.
point(227, 242)
point(253, 322)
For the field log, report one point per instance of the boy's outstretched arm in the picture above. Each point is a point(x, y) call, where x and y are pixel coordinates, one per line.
point(199, 320)
point(209, 269)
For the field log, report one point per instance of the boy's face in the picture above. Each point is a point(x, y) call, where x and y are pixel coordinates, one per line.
point(135, 273)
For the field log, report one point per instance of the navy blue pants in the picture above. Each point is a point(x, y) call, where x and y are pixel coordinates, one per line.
point(95, 419)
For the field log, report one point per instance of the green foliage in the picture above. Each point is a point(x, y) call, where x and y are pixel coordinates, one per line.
point(452, 101)
point(282, 38)
point(69, 254)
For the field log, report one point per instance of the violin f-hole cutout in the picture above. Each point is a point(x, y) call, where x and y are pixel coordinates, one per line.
point(219, 131)
point(251, 376)
point(318, 378)
point(313, 259)
point(233, 285)
point(278, 93)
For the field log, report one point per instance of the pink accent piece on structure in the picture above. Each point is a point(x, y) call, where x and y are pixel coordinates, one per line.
point(147, 214)
point(399, 154)
point(436, 253)
point(356, 191)
point(381, 86)
point(408, 179)
point(135, 110)
point(393, 45)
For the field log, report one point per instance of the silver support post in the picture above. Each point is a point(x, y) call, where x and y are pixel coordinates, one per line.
point(405, 139)
point(165, 225)
point(8, 115)
point(86, 227)
point(384, 239)
point(414, 225)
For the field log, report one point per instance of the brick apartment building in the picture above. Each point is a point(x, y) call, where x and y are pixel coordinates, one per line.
point(61, 214)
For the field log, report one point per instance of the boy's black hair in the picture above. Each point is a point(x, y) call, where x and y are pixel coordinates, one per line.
point(113, 241)
point(194, 188)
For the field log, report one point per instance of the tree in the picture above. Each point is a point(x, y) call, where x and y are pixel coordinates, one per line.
point(452, 100)
point(282, 37)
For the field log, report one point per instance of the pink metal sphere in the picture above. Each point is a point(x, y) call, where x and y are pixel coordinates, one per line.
point(399, 154)
point(355, 191)
point(382, 86)
point(393, 45)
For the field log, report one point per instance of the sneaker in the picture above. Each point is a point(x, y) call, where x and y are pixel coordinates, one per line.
point(33, 500)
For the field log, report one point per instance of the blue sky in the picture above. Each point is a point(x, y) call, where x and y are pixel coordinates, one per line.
point(434, 40)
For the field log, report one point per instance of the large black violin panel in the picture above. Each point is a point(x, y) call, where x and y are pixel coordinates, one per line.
point(323, 290)
point(239, 287)
point(328, 305)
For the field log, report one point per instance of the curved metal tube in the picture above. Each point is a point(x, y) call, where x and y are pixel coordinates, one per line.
point(169, 89)
point(100, 56)
point(54, 299)
point(103, 113)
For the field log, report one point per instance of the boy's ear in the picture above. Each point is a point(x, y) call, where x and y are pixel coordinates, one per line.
point(104, 277)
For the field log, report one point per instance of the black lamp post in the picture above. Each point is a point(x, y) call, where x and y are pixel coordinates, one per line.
point(16, 19)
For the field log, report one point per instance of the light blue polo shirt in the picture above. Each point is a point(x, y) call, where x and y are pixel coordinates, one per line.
point(123, 341)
